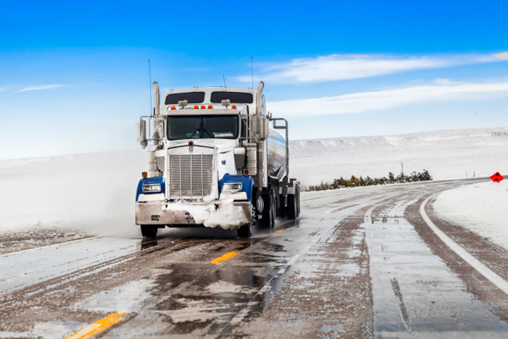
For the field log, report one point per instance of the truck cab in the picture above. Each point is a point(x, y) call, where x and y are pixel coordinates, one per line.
point(213, 162)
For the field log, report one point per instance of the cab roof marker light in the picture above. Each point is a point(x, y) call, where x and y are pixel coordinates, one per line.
point(203, 106)
point(210, 106)
point(196, 107)
point(173, 108)
point(233, 106)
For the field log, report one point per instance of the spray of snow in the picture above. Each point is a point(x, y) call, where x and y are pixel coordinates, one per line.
point(92, 193)
point(227, 216)
point(482, 208)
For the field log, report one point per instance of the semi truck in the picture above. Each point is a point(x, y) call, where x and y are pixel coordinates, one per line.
point(214, 161)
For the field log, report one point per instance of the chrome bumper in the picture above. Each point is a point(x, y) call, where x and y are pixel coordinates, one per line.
point(158, 213)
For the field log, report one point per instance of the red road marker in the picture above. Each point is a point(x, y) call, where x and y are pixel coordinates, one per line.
point(497, 177)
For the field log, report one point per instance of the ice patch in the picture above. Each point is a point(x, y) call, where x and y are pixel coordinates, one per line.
point(47, 330)
point(226, 287)
point(130, 297)
point(196, 311)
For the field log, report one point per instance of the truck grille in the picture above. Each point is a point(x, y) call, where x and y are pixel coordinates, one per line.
point(190, 175)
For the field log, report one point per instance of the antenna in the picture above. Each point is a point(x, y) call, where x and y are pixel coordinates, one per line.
point(150, 77)
point(223, 77)
point(252, 71)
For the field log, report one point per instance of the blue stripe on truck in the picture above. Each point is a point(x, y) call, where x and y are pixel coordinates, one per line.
point(247, 183)
point(147, 181)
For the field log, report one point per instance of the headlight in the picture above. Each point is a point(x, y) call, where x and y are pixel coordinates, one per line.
point(231, 187)
point(152, 188)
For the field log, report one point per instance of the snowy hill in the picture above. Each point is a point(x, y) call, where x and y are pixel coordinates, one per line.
point(98, 190)
point(449, 154)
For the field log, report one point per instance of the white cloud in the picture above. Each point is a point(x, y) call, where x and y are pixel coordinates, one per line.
point(40, 88)
point(372, 101)
point(341, 67)
point(502, 56)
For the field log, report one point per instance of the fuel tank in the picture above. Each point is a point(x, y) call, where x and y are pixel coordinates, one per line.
point(276, 155)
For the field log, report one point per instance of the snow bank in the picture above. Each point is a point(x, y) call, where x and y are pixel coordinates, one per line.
point(481, 208)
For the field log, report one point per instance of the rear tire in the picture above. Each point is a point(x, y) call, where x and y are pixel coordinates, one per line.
point(269, 211)
point(245, 231)
point(149, 231)
point(293, 208)
point(282, 207)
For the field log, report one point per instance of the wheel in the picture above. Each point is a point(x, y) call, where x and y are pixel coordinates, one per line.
point(269, 211)
point(282, 207)
point(149, 231)
point(293, 208)
point(245, 231)
point(273, 209)
point(298, 209)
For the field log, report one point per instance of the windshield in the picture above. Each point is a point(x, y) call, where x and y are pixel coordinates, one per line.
point(192, 98)
point(234, 97)
point(202, 127)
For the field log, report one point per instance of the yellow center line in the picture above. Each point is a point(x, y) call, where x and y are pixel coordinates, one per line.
point(279, 231)
point(98, 326)
point(225, 257)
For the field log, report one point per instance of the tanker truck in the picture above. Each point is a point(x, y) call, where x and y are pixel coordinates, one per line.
point(213, 161)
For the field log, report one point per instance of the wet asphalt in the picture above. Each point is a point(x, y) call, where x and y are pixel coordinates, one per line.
point(356, 264)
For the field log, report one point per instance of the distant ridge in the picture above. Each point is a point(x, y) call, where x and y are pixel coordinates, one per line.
point(447, 154)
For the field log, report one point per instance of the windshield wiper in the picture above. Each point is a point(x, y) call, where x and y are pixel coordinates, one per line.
point(205, 131)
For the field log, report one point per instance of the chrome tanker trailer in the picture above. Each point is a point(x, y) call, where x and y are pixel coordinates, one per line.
point(213, 161)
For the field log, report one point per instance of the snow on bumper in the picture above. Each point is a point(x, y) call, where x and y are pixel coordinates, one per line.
point(226, 214)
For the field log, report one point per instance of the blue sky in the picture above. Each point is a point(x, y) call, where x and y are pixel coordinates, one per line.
point(74, 75)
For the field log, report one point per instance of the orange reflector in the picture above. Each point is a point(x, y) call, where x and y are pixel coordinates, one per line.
point(203, 106)
point(210, 106)
point(144, 174)
point(173, 108)
point(233, 106)
point(196, 107)
point(246, 172)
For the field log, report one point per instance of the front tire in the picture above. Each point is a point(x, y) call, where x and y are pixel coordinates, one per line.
point(149, 231)
point(245, 231)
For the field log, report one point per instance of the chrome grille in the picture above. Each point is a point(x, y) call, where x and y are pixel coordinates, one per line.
point(190, 175)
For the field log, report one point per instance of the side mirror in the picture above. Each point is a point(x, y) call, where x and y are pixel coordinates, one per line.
point(263, 127)
point(141, 127)
point(239, 154)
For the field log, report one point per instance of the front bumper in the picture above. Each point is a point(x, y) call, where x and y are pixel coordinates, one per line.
point(226, 214)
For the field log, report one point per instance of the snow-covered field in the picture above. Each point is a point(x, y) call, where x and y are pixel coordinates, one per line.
point(482, 208)
point(452, 154)
point(95, 192)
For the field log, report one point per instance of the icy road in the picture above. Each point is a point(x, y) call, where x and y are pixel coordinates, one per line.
point(357, 264)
